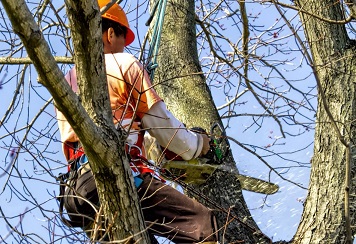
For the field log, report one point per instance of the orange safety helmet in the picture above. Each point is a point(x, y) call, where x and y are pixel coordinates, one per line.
point(117, 14)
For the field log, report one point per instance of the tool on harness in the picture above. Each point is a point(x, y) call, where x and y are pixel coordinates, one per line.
point(139, 164)
point(142, 164)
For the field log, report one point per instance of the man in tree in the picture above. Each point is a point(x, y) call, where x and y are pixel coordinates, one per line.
point(137, 107)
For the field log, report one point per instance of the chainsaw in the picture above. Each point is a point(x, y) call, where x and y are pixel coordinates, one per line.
point(198, 170)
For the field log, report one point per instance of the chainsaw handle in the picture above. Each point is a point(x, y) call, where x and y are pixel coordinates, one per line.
point(215, 153)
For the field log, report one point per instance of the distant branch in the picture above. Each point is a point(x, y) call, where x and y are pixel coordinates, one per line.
point(352, 6)
point(13, 228)
point(27, 60)
point(236, 70)
point(299, 9)
point(266, 163)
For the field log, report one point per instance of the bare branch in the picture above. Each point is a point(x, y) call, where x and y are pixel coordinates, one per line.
point(13, 61)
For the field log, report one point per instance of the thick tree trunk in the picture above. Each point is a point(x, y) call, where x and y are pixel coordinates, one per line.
point(323, 219)
point(91, 116)
point(182, 86)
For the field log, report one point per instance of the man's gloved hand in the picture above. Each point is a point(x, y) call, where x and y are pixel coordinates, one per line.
point(207, 150)
point(217, 148)
point(206, 145)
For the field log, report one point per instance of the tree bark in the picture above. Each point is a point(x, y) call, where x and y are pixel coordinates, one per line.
point(323, 219)
point(118, 196)
point(90, 115)
point(179, 80)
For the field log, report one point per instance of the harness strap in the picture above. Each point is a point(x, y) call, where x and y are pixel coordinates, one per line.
point(138, 166)
point(74, 150)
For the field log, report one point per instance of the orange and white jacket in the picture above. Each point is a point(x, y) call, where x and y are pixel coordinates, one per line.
point(136, 106)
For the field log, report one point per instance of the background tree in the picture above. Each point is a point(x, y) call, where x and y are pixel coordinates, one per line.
point(182, 84)
point(327, 217)
point(254, 59)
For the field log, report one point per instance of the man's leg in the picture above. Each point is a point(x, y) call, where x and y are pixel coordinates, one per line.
point(173, 215)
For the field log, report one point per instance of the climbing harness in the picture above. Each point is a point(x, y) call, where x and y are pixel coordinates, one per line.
point(160, 8)
point(140, 166)
point(78, 192)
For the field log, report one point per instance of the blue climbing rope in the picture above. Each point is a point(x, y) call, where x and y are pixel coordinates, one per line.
point(160, 8)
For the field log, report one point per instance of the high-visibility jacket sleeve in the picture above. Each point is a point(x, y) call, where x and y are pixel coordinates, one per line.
point(171, 133)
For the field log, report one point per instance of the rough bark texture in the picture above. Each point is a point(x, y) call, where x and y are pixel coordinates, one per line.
point(116, 190)
point(182, 85)
point(323, 219)
point(96, 130)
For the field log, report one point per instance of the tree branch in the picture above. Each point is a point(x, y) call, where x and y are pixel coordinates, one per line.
point(10, 60)
point(301, 10)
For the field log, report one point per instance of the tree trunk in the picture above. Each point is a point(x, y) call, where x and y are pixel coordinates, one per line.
point(90, 116)
point(179, 80)
point(324, 218)
point(118, 196)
